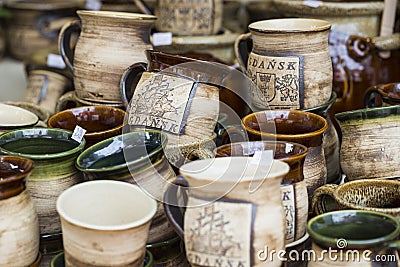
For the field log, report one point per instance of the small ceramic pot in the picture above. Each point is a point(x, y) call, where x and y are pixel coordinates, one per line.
point(223, 221)
point(352, 237)
point(12, 117)
point(19, 225)
point(54, 153)
point(369, 146)
point(136, 158)
point(382, 95)
point(372, 194)
point(288, 62)
point(294, 126)
point(100, 122)
point(105, 233)
point(293, 187)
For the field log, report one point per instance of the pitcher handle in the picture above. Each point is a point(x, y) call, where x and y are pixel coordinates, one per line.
point(64, 42)
point(317, 205)
point(242, 48)
point(389, 42)
point(129, 78)
point(370, 96)
point(64, 99)
point(174, 213)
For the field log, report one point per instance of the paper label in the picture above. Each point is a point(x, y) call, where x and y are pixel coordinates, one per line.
point(162, 38)
point(289, 207)
point(78, 134)
point(55, 61)
point(279, 81)
point(161, 101)
point(218, 234)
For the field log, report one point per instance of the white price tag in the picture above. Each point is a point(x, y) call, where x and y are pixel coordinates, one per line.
point(93, 5)
point(162, 38)
point(78, 133)
point(263, 157)
point(312, 3)
point(55, 61)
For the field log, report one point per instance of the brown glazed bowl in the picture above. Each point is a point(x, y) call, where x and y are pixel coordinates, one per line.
point(382, 95)
point(100, 122)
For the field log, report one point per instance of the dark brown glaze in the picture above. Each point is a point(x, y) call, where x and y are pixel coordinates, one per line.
point(14, 171)
point(382, 94)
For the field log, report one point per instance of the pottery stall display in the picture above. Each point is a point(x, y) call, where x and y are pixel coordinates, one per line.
point(13, 117)
point(382, 95)
point(103, 51)
point(288, 61)
point(370, 143)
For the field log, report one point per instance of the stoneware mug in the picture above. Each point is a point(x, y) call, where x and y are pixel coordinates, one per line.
point(234, 208)
point(105, 233)
point(19, 225)
point(370, 142)
point(382, 95)
point(293, 187)
point(353, 238)
point(288, 60)
point(371, 194)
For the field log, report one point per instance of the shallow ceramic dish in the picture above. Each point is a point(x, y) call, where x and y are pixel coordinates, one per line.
point(16, 117)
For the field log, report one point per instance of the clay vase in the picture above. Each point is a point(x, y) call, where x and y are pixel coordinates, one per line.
point(294, 126)
point(108, 43)
point(293, 187)
point(19, 225)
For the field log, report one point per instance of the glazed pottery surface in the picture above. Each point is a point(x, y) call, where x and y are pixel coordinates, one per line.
point(370, 142)
point(295, 126)
point(100, 122)
point(42, 113)
point(382, 95)
point(372, 194)
point(104, 50)
point(105, 233)
point(243, 205)
point(292, 74)
point(12, 117)
point(364, 233)
point(293, 187)
point(19, 225)
point(136, 158)
point(54, 153)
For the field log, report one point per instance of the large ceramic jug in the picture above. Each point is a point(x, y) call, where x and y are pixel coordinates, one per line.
point(109, 42)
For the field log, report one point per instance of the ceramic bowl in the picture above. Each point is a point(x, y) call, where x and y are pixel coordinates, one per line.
point(12, 117)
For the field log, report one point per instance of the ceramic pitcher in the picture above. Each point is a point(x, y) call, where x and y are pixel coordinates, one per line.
point(109, 42)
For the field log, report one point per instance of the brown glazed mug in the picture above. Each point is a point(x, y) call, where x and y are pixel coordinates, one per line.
point(100, 122)
point(294, 126)
point(293, 187)
point(382, 95)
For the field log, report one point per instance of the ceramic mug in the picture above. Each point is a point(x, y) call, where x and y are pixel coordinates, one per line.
point(370, 142)
point(353, 238)
point(224, 221)
point(382, 95)
point(288, 62)
point(293, 187)
point(100, 122)
point(372, 194)
point(19, 225)
point(105, 233)
point(54, 153)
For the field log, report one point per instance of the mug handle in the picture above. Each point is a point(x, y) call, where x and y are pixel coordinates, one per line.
point(242, 48)
point(175, 214)
point(64, 100)
point(317, 203)
point(129, 78)
point(370, 96)
point(64, 41)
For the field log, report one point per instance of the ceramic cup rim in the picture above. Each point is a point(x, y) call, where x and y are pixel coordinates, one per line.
point(16, 160)
point(289, 25)
point(352, 243)
point(117, 14)
point(32, 118)
point(79, 187)
point(368, 113)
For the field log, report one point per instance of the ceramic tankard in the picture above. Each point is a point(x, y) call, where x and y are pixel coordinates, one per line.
point(289, 61)
point(108, 43)
point(234, 208)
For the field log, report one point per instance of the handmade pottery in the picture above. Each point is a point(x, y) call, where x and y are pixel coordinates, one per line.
point(12, 117)
point(54, 153)
point(136, 158)
point(219, 204)
point(330, 143)
point(42, 113)
point(19, 241)
point(105, 233)
point(295, 126)
point(100, 122)
point(293, 187)
point(70, 100)
point(168, 253)
point(49, 246)
point(297, 248)
point(370, 145)
point(104, 33)
point(372, 194)
point(356, 235)
point(292, 74)
point(382, 95)
point(36, 24)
